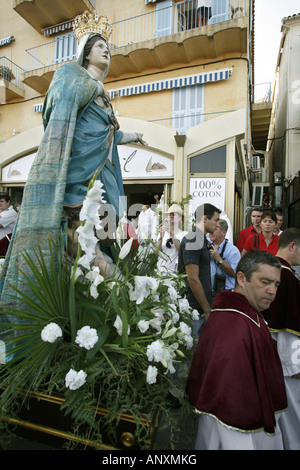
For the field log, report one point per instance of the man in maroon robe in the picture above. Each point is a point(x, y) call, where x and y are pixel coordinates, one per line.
point(236, 381)
point(283, 318)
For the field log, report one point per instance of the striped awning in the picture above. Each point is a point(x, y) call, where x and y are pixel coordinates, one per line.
point(170, 83)
point(38, 108)
point(57, 28)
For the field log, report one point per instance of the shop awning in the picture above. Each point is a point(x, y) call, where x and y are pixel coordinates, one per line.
point(168, 84)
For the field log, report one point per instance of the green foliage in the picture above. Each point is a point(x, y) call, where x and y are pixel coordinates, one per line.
point(116, 365)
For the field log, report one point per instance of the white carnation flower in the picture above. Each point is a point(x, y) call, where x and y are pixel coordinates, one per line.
point(155, 351)
point(195, 314)
point(151, 374)
point(51, 333)
point(86, 337)
point(159, 352)
point(75, 380)
point(187, 334)
point(172, 293)
point(183, 305)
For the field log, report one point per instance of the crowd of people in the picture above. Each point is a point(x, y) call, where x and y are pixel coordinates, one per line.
point(244, 376)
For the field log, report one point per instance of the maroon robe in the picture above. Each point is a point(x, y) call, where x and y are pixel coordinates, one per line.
point(284, 313)
point(236, 374)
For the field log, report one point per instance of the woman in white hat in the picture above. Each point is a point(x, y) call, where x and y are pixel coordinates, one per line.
point(170, 236)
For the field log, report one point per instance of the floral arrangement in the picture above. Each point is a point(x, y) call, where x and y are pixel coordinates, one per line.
point(114, 340)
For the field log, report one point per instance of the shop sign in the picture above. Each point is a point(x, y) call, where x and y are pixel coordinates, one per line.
point(207, 190)
point(135, 163)
point(17, 170)
point(141, 163)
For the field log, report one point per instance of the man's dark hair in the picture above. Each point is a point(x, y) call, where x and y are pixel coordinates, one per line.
point(288, 236)
point(250, 261)
point(206, 209)
point(5, 196)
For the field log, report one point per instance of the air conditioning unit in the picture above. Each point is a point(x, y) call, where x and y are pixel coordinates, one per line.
point(257, 196)
point(255, 162)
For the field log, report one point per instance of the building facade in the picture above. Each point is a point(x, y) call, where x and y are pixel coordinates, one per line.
point(185, 86)
point(284, 135)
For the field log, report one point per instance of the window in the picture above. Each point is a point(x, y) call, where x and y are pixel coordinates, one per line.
point(188, 107)
point(220, 11)
point(163, 18)
point(186, 15)
point(65, 48)
point(213, 161)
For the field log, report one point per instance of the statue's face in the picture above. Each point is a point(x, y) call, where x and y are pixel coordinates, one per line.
point(99, 55)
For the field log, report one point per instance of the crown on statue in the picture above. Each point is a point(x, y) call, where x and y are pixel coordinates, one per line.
point(91, 23)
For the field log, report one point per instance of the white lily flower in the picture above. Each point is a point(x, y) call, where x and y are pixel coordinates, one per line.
point(119, 326)
point(144, 286)
point(96, 192)
point(96, 278)
point(125, 250)
point(143, 325)
point(86, 238)
point(85, 261)
point(156, 324)
point(169, 333)
point(89, 211)
point(78, 272)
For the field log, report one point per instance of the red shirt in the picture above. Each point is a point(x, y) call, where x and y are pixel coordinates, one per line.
point(244, 234)
point(271, 248)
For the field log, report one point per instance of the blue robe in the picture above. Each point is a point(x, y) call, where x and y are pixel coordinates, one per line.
point(76, 142)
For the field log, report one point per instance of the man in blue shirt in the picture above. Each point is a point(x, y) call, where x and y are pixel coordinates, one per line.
point(224, 259)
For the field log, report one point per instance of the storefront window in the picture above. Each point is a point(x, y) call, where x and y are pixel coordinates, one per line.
point(213, 161)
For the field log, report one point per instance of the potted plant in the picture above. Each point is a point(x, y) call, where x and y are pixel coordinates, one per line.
point(97, 344)
point(6, 73)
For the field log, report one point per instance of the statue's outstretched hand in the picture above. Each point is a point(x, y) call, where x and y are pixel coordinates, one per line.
point(140, 139)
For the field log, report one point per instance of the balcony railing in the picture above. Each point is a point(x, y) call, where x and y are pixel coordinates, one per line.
point(160, 22)
point(172, 20)
point(261, 93)
point(11, 72)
